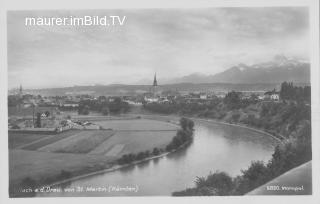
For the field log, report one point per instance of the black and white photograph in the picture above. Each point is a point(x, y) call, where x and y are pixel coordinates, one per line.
point(171, 102)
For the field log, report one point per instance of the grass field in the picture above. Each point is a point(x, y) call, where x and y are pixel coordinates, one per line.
point(139, 124)
point(134, 142)
point(49, 140)
point(43, 165)
point(19, 139)
point(82, 142)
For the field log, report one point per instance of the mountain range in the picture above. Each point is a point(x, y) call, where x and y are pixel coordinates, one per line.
point(278, 70)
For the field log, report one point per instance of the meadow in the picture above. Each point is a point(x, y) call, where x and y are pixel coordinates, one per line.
point(134, 142)
point(42, 157)
point(136, 124)
point(82, 142)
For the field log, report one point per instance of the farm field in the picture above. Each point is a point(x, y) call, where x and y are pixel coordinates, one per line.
point(31, 141)
point(82, 142)
point(49, 140)
point(19, 139)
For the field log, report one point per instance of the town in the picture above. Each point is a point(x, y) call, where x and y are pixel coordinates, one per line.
point(23, 105)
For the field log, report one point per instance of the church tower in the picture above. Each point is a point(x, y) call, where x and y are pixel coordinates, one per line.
point(155, 85)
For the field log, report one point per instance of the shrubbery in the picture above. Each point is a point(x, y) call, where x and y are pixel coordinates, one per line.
point(218, 183)
point(129, 158)
point(184, 135)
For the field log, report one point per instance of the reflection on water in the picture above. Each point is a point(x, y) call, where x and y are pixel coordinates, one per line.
point(215, 147)
point(143, 164)
point(155, 161)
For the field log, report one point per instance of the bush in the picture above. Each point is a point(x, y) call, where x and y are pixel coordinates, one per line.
point(105, 111)
point(147, 153)
point(169, 147)
point(256, 175)
point(235, 117)
point(155, 151)
point(140, 156)
point(83, 110)
point(220, 181)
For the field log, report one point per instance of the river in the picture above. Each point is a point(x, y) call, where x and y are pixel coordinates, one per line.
point(216, 147)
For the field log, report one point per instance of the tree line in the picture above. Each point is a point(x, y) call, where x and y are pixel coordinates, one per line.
point(116, 106)
point(290, 92)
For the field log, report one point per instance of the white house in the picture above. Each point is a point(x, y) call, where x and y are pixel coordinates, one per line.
point(275, 97)
point(272, 95)
point(203, 96)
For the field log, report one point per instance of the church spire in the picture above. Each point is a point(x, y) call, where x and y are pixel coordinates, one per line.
point(155, 83)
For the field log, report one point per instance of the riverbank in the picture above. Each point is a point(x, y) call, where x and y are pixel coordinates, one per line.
point(172, 118)
point(246, 127)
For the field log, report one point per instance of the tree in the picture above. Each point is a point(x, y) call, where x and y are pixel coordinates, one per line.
point(235, 117)
point(118, 106)
point(140, 156)
point(155, 151)
point(232, 100)
point(47, 113)
point(186, 124)
point(13, 100)
point(38, 120)
point(221, 182)
point(83, 110)
point(256, 175)
point(290, 92)
point(105, 110)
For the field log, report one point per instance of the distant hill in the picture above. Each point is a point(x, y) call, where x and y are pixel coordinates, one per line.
point(276, 71)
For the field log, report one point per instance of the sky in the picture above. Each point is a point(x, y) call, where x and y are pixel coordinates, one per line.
point(171, 42)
